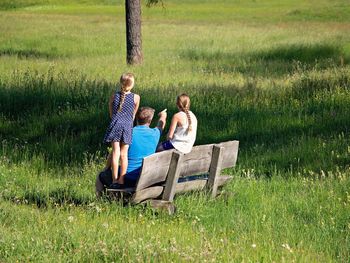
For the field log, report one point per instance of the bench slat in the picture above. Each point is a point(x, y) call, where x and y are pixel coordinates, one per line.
point(223, 179)
point(197, 161)
point(148, 193)
point(230, 153)
point(124, 190)
point(154, 169)
point(197, 184)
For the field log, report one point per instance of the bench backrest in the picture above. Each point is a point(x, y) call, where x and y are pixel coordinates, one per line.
point(155, 167)
point(199, 160)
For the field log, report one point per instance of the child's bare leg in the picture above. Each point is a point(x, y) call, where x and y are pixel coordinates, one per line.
point(115, 161)
point(123, 161)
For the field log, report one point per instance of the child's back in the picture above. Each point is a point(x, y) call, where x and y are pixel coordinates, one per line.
point(121, 121)
point(183, 138)
point(122, 108)
point(183, 128)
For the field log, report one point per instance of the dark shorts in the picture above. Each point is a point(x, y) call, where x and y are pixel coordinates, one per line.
point(167, 145)
point(106, 179)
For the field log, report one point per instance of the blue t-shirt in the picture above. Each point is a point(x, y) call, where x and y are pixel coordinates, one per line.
point(144, 143)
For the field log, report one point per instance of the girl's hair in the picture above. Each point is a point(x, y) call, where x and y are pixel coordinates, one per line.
point(127, 81)
point(183, 102)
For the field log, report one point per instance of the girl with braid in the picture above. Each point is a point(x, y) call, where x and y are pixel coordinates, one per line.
point(183, 128)
point(123, 105)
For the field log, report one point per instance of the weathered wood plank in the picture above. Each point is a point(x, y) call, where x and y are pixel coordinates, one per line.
point(172, 177)
point(148, 193)
point(230, 153)
point(215, 169)
point(125, 190)
point(197, 161)
point(154, 169)
point(197, 184)
point(223, 179)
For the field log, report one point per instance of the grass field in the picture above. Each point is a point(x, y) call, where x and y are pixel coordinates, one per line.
point(273, 74)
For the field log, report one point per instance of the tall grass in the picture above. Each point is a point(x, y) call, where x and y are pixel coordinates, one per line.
point(275, 220)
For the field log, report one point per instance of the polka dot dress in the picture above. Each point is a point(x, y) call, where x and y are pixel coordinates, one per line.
point(120, 127)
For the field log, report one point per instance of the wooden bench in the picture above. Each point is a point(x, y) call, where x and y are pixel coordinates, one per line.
point(164, 174)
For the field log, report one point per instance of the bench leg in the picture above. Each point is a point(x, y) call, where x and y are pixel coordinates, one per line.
point(172, 177)
point(215, 169)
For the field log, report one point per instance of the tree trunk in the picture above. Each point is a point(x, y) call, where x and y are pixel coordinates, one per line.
point(133, 32)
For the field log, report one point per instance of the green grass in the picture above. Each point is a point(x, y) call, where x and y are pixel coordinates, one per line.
point(273, 74)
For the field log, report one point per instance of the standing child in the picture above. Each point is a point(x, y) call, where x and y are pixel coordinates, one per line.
point(123, 106)
point(183, 128)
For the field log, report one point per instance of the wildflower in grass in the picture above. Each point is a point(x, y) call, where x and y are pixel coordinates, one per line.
point(286, 246)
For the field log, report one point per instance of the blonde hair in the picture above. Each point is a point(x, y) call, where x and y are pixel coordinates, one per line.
point(127, 81)
point(184, 103)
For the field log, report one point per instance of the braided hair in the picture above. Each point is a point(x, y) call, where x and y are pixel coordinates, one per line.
point(126, 84)
point(183, 102)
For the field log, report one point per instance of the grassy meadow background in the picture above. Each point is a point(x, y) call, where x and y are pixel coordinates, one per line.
point(273, 74)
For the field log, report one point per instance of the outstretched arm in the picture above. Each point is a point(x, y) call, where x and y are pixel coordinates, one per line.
point(162, 120)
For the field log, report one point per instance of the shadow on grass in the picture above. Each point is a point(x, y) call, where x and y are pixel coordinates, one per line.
point(27, 53)
point(277, 61)
point(65, 194)
point(56, 197)
point(302, 53)
point(61, 119)
point(64, 119)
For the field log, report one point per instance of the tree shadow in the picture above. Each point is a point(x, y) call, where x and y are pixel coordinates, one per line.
point(63, 119)
point(302, 53)
point(275, 61)
point(59, 119)
point(27, 53)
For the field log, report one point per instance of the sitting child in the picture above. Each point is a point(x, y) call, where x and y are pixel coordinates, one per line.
point(183, 128)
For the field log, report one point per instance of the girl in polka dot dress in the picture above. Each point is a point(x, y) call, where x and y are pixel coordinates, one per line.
point(123, 106)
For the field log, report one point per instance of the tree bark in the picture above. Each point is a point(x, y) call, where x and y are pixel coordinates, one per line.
point(133, 32)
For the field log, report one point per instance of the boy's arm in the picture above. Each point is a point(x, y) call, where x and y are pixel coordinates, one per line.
point(137, 104)
point(162, 120)
point(110, 105)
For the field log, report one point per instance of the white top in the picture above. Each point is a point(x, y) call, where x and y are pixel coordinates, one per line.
point(183, 140)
